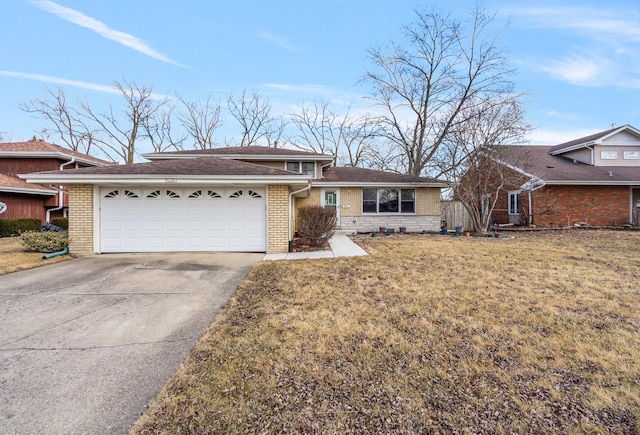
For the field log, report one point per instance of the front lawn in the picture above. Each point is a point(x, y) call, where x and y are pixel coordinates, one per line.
point(14, 258)
point(429, 334)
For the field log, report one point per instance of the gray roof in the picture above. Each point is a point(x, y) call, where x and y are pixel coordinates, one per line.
point(354, 175)
point(538, 161)
point(592, 139)
point(194, 166)
point(248, 151)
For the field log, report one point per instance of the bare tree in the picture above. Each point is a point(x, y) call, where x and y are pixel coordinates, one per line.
point(275, 132)
point(321, 130)
point(116, 133)
point(66, 123)
point(160, 133)
point(120, 132)
point(358, 139)
point(253, 112)
point(424, 87)
point(481, 158)
point(201, 119)
point(316, 129)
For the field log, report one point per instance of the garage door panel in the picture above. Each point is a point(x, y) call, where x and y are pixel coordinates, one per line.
point(159, 219)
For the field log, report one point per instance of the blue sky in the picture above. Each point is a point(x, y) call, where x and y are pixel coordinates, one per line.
point(579, 60)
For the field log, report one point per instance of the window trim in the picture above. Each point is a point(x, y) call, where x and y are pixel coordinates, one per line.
point(300, 163)
point(517, 194)
point(399, 189)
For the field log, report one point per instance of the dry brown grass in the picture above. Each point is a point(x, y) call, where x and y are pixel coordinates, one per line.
point(14, 258)
point(429, 334)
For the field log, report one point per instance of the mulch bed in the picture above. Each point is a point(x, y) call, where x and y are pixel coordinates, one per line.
point(300, 244)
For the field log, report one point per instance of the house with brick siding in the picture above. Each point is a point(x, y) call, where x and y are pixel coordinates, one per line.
point(593, 180)
point(232, 199)
point(21, 199)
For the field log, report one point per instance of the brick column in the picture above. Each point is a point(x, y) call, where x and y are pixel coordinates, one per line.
point(81, 219)
point(278, 220)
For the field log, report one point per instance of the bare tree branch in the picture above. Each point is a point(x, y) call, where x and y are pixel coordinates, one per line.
point(480, 155)
point(253, 112)
point(123, 131)
point(66, 123)
point(201, 119)
point(424, 88)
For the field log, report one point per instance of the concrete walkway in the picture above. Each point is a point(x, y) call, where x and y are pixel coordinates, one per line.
point(340, 244)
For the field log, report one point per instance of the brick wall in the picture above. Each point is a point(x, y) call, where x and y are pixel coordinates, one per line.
point(81, 219)
point(278, 218)
point(557, 206)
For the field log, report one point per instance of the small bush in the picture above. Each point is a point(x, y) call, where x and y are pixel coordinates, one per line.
point(45, 241)
point(16, 226)
point(316, 224)
point(61, 222)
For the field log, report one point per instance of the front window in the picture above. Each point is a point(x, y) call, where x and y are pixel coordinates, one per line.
point(514, 202)
point(307, 168)
point(388, 200)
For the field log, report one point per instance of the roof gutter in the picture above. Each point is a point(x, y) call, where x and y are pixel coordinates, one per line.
point(295, 192)
point(61, 193)
point(175, 179)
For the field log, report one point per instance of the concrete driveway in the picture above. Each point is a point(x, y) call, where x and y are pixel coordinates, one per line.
point(86, 344)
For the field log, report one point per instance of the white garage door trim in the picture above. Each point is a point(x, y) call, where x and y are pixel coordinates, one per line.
point(174, 219)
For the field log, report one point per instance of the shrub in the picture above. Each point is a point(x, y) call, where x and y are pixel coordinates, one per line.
point(15, 226)
point(61, 222)
point(316, 224)
point(45, 241)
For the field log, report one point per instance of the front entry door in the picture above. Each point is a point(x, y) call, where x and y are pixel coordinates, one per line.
point(331, 201)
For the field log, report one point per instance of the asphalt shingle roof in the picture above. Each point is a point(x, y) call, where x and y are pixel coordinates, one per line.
point(349, 174)
point(538, 161)
point(40, 146)
point(252, 150)
point(194, 166)
point(9, 183)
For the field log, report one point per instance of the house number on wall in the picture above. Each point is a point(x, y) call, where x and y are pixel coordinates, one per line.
point(171, 180)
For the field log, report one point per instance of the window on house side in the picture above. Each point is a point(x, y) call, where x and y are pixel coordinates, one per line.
point(514, 202)
point(388, 200)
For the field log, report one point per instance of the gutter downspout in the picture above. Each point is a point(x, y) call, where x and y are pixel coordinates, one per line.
point(291, 210)
point(322, 169)
point(60, 193)
point(542, 184)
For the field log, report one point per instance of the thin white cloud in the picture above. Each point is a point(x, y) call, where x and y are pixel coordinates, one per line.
point(67, 82)
point(301, 89)
point(580, 70)
point(278, 41)
point(596, 22)
point(82, 20)
point(605, 56)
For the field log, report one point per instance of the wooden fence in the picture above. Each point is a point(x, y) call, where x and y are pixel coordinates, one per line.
point(454, 213)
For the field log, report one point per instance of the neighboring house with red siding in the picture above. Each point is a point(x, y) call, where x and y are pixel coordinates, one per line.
point(593, 180)
point(21, 199)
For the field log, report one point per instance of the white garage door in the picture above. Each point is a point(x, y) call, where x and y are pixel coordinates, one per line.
point(166, 219)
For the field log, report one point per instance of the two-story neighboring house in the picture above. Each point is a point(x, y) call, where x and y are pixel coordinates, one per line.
point(593, 180)
point(232, 199)
point(22, 199)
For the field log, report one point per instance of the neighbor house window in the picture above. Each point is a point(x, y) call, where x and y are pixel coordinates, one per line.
point(631, 155)
point(608, 155)
point(514, 202)
point(388, 200)
point(307, 168)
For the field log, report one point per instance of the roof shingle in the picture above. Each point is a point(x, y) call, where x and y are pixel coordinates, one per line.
point(195, 166)
point(40, 146)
